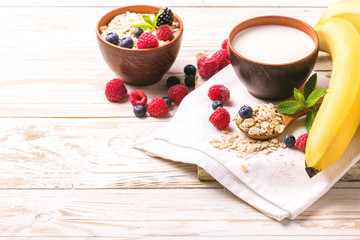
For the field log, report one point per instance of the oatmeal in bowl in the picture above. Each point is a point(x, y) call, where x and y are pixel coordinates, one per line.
point(140, 43)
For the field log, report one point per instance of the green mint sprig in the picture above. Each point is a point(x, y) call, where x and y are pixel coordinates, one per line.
point(148, 23)
point(307, 100)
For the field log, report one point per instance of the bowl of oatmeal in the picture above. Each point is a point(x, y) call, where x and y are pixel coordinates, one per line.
point(139, 57)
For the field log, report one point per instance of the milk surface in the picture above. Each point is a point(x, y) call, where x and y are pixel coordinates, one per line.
point(273, 44)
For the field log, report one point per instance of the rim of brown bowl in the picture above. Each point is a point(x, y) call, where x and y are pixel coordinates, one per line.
point(281, 20)
point(98, 25)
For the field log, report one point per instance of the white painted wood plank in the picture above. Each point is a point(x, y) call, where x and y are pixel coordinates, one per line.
point(92, 153)
point(85, 153)
point(168, 213)
point(189, 3)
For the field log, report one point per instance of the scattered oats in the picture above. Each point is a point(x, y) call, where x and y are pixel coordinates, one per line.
point(121, 25)
point(266, 120)
point(245, 147)
point(244, 168)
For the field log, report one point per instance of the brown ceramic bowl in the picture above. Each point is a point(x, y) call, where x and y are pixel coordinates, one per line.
point(272, 81)
point(138, 66)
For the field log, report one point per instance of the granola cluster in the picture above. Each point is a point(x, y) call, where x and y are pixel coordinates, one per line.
point(266, 120)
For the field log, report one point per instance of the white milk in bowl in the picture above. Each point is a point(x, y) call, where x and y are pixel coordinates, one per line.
point(273, 44)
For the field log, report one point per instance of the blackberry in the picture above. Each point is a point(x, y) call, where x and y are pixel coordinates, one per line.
point(166, 17)
point(190, 69)
point(190, 81)
point(172, 81)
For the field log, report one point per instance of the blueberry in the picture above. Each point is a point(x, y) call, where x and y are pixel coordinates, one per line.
point(139, 110)
point(289, 140)
point(126, 42)
point(216, 104)
point(172, 81)
point(190, 81)
point(168, 101)
point(138, 32)
point(112, 38)
point(245, 112)
point(190, 70)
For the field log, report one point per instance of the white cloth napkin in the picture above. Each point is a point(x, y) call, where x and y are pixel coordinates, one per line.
point(276, 184)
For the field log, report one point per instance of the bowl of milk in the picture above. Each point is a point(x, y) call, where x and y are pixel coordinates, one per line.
point(272, 55)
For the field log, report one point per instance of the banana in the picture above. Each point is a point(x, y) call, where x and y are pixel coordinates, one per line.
point(339, 115)
point(346, 9)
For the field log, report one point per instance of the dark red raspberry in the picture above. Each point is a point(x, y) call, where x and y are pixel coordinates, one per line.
point(201, 61)
point(158, 107)
point(147, 40)
point(177, 93)
point(224, 44)
point(220, 118)
point(301, 142)
point(222, 58)
point(115, 90)
point(209, 68)
point(219, 92)
point(164, 33)
point(137, 97)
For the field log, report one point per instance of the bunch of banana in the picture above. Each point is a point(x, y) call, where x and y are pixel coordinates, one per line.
point(339, 115)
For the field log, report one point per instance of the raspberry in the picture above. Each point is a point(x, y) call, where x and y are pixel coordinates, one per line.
point(137, 97)
point(220, 118)
point(201, 61)
point(208, 68)
point(158, 107)
point(115, 90)
point(224, 44)
point(222, 58)
point(301, 142)
point(177, 93)
point(219, 92)
point(164, 33)
point(147, 40)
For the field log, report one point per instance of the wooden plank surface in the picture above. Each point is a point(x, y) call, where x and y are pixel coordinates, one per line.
point(67, 166)
point(139, 214)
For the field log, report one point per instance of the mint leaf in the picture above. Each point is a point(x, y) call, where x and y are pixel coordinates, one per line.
point(314, 97)
point(310, 117)
point(298, 96)
point(148, 20)
point(290, 107)
point(157, 16)
point(310, 85)
point(143, 25)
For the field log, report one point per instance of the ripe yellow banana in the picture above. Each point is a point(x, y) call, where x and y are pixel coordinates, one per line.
point(339, 115)
point(346, 9)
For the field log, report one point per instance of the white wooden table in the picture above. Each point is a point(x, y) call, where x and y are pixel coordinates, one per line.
point(67, 168)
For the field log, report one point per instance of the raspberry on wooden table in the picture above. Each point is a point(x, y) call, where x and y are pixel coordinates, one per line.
point(224, 44)
point(222, 58)
point(158, 107)
point(115, 90)
point(177, 93)
point(208, 68)
point(201, 61)
point(137, 97)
